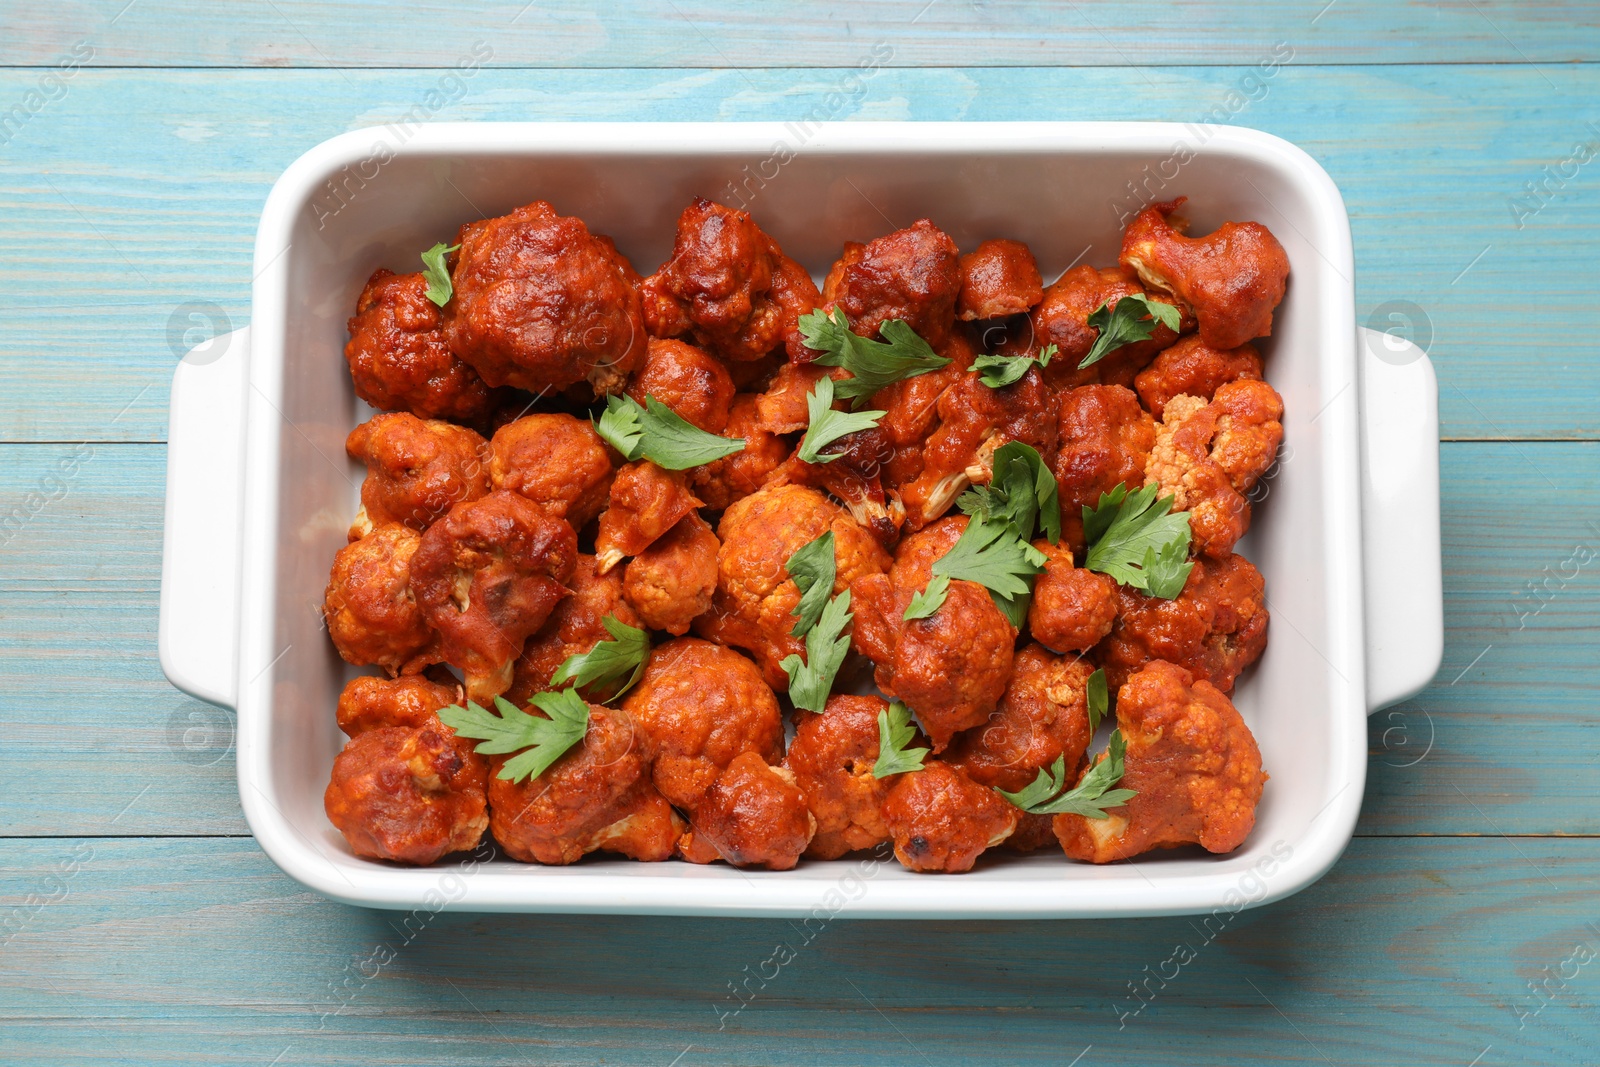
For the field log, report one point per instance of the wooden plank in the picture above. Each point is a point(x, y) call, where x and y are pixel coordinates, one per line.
point(137, 194)
point(570, 33)
point(78, 592)
point(151, 951)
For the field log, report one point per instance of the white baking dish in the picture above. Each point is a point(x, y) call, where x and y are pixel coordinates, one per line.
point(259, 490)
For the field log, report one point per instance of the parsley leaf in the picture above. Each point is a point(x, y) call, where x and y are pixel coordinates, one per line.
point(1133, 531)
point(1092, 796)
point(1133, 319)
point(1022, 492)
point(813, 568)
point(1099, 698)
point(873, 364)
point(827, 425)
point(437, 275)
point(895, 732)
point(608, 661)
point(811, 679)
point(544, 739)
point(655, 432)
point(997, 372)
point(929, 600)
point(992, 555)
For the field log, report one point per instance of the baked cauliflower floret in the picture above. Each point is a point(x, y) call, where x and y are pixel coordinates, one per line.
point(407, 794)
point(1232, 278)
point(1215, 628)
point(541, 303)
point(1193, 367)
point(832, 756)
point(670, 583)
point(574, 627)
point(853, 475)
point(1105, 440)
point(949, 668)
point(1192, 762)
point(1072, 607)
point(646, 501)
point(596, 796)
point(487, 576)
point(1208, 456)
point(941, 820)
point(416, 470)
point(399, 360)
point(1062, 319)
point(694, 385)
point(721, 482)
point(555, 460)
point(912, 274)
point(1044, 716)
point(998, 279)
point(372, 616)
point(755, 598)
point(729, 286)
point(701, 705)
point(752, 816)
point(368, 703)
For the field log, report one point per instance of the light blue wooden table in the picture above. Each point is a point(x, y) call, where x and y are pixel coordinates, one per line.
point(139, 922)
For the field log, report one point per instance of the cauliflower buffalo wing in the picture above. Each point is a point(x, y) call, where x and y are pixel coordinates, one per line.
point(687, 380)
point(596, 796)
point(998, 279)
point(1043, 716)
point(912, 274)
point(853, 475)
point(399, 360)
point(1233, 278)
point(941, 820)
point(372, 616)
point(1192, 762)
point(832, 756)
point(1105, 440)
point(487, 576)
point(1062, 319)
point(541, 303)
point(1192, 367)
point(646, 501)
point(416, 470)
point(729, 286)
point(1208, 456)
point(411, 700)
point(721, 482)
point(574, 627)
point(670, 583)
point(701, 705)
point(407, 794)
point(1072, 607)
point(1215, 628)
point(752, 816)
point(755, 598)
point(555, 460)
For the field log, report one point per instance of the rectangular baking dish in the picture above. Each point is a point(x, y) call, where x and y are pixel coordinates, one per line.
point(259, 490)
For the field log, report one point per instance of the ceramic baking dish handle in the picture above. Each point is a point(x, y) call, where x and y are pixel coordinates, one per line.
point(1400, 518)
point(200, 555)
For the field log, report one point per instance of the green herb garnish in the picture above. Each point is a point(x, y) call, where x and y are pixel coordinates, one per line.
point(929, 600)
point(1021, 492)
point(997, 372)
point(434, 272)
point(1138, 540)
point(991, 554)
point(655, 432)
point(813, 569)
point(826, 425)
point(811, 678)
point(1097, 697)
point(545, 739)
point(895, 732)
point(872, 364)
point(1133, 319)
point(1092, 796)
point(608, 661)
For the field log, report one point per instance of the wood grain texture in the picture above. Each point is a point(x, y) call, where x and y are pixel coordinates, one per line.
point(1409, 951)
point(138, 192)
point(79, 585)
point(926, 33)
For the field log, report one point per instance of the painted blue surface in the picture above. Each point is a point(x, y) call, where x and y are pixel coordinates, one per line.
point(140, 924)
